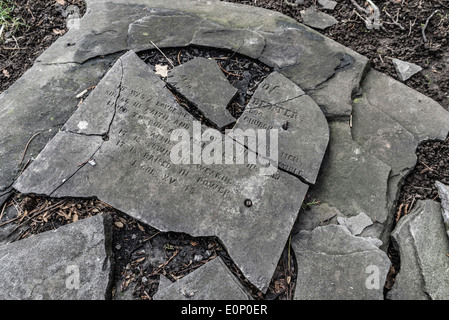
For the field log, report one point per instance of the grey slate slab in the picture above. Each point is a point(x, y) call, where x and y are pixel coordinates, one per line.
point(213, 281)
point(317, 19)
point(417, 113)
point(135, 174)
point(351, 179)
point(405, 70)
point(356, 224)
point(443, 192)
point(72, 263)
point(421, 240)
point(303, 131)
point(203, 83)
point(335, 265)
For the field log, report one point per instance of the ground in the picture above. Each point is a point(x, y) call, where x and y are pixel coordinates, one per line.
point(31, 26)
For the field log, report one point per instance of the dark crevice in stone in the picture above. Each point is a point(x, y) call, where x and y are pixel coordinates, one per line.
point(242, 72)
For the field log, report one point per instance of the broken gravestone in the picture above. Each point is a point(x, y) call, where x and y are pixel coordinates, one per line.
point(303, 131)
point(203, 83)
point(405, 70)
point(333, 264)
point(213, 281)
point(122, 146)
point(420, 238)
point(317, 19)
point(443, 192)
point(73, 262)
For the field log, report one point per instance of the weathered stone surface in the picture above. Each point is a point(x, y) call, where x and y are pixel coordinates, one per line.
point(405, 70)
point(166, 28)
point(327, 4)
point(199, 199)
point(335, 265)
point(213, 281)
point(443, 192)
point(303, 132)
point(203, 83)
point(418, 114)
point(351, 179)
point(356, 224)
point(317, 215)
point(72, 263)
point(43, 99)
point(317, 19)
point(246, 42)
point(420, 237)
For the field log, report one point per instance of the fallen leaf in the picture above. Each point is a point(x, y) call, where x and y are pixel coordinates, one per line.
point(75, 218)
point(141, 228)
point(61, 2)
point(162, 70)
point(118, 224)
point(6, 73)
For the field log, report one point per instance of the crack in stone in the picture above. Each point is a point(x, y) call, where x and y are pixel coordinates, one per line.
point(105, 136)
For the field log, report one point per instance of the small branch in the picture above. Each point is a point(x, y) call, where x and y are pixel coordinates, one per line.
point(423, 30)
point(26, 147)
point(169, 61)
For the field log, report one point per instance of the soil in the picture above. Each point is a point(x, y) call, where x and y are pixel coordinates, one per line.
point(42, 22)
point(45, 23)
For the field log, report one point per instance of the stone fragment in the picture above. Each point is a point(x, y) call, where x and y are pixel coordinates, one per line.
point(73, 262)
point(352, 180)
point(405, 70)
point(317, 215)
point(335, 265)
point(417, 113)
point(203, 83)
point(167, 28)
point(135, 171)
point(443, 192)
point(247, 42)
point(317, 19)
point(327, 4)
point(213, 281)
point(356, 224)
point(421, 240)
point(303, 134)
point(43, 99)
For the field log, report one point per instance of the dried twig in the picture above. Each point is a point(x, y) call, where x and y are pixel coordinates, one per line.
point(26, 147)
point(372, 19)
point(169, 61)
point(395, 22)
point(423, 30)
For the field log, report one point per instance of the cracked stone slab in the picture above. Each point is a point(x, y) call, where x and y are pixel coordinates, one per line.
point(443, 192)
point(303, 131)
point(73, 262)
point(165, 28)
point(134, 172)
point(352, 180)
point(212, 281)
point(421, 240)
point(405, 70)
point(327, 4)
point(316, 216)
point(417, 113)
point(333, 264)
point(247, 42)
point(324, 69)
point(34, 108)
point(317, 19)
point(203, 83)
point(356, 224)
